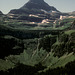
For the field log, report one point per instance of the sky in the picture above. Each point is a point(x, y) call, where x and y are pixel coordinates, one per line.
point(61, 5)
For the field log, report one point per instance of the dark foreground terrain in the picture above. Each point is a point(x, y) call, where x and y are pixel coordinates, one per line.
point(37, 52)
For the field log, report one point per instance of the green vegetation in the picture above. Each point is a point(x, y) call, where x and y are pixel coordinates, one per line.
point(67, 70)
point(64, 24)
point(47, 42)
point(26, 22)
point(10, 45)
point(69, 32)
point(49, 50)
point(22, 46)
point(21, 69)
point(66, 44)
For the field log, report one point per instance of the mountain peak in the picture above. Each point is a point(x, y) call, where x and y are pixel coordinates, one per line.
point(38, 4)
point(34, 7)
point(36, 0)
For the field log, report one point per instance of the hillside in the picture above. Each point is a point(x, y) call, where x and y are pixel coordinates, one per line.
point(42, 50)
point(38, 15)
point(30, 47)
point(47, 51)
point(73, 25)
point(37, 39)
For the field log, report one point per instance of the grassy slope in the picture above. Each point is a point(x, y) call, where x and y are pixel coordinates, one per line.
point(4, 65)
point(69, 32)
point(42, 56)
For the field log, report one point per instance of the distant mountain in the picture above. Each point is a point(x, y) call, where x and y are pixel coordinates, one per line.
point(34, 6)
point(72, 13)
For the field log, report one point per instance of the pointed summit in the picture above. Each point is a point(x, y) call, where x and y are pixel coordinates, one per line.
point(36, 0)
point(34, 7)
point(38, 4)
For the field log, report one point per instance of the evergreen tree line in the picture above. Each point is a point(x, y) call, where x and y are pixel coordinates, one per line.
point(22, 69)
point(69, 69)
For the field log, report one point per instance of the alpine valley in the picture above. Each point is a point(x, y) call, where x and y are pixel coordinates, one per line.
point(37, 39)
